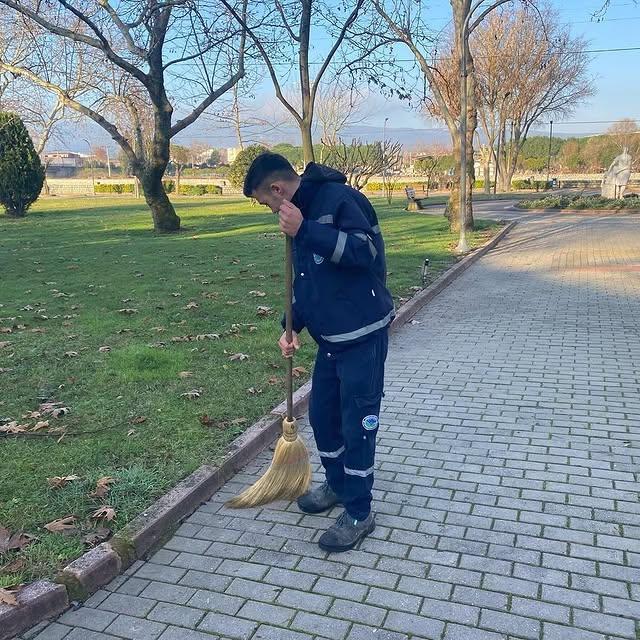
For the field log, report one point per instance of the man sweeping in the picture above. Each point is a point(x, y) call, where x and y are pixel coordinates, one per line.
point(341, 298)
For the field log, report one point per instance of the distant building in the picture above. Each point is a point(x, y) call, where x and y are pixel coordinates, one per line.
point(63, 164)
point(232, 153)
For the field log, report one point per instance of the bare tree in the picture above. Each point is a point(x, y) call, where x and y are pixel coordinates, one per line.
point(339, 106)
point(157, 53)
point(360, 161)
point(405, 20)
point(281, 32)
point(529, 67)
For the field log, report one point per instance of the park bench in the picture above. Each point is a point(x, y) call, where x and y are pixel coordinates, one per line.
point(414, 201)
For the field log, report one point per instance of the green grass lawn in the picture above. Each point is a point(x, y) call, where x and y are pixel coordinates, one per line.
point(68, 271)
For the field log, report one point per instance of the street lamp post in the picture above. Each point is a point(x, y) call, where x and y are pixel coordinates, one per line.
point(549, 154)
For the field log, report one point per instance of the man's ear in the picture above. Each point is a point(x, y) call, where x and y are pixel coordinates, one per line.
point(276, 188)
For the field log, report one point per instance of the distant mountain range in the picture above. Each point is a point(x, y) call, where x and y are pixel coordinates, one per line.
point(223, 136)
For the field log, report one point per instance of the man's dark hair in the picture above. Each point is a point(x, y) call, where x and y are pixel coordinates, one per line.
point(267, 167)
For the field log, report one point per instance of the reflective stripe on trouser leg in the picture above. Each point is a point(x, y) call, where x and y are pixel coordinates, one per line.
point(325, 418)
point(361, 372)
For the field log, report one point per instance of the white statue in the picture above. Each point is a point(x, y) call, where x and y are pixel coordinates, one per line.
point(615, 180)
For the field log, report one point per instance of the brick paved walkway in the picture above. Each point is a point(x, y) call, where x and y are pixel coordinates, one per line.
point(507, 489)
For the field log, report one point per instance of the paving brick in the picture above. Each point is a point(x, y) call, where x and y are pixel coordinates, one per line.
point(180, 633)
point(88, 619)
point(458, 632)
point(372, 576)
point(393, 600)
point(422, 587)
point(160, 573)
point(571, 597)
point(557, 632)
point(320, 626)
point(304, 601)
point(83, 634)
point(269, 613)
point(228, 626)
point(239, 569)
point(511, 624)
point(480, 597)
point(168, 592)
point(450, 611)
point(135, 628)
point(120, 603)
point(613, 625)
point(455, 576)
point(360, 632)
point(213, 601)
point(176, 614)
point(253, 590)
point(540, 610)
point(340, 589)
point(265, 632)
point(357, 612)
point(204, 580)
point(286, 578)
point(54, 631)
point(413, 625)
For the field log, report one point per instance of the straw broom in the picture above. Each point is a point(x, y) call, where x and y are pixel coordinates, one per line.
point(289, 475)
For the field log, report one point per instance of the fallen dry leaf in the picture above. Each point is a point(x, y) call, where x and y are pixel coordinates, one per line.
point(13, 542)
point(5, 370)
point(41, 424)
point(71, 354)
point(238, 421)
point(6, 330)
point(298, 371)
point(131, 432)
point(104, 349)
point(57, 482)
point(104, 513)
point(32, 415)
point(15, 566)
point(175, 294)
point(127, 311)
point(239, 356)
point(4, 344)
point(206, 421)
point(158, 329)
point(138, 419)
point(232, 302)
point(264, 311)
point(8, 597)
point(102, 487)
point(252, 391)
point(185, 374)
point(191, 305)
point(191, 395)
point(61, 525)
point(273, 380)
point(13, 427)
point(257, 294)
point(94, 538)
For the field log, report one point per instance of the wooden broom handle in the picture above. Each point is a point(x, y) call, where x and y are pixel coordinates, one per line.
point(289, 321)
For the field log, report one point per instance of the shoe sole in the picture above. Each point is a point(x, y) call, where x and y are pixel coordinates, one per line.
point(343, 548)
point(315, 511)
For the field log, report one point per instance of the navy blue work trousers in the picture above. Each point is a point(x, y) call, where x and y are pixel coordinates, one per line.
point(344, 413)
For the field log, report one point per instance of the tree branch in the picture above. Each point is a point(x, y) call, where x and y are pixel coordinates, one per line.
point(109, 127)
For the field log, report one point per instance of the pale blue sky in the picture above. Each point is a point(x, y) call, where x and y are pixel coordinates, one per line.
point(617, 73)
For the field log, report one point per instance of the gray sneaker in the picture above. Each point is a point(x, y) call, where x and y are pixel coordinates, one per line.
point(317, 500)
point(346, 533)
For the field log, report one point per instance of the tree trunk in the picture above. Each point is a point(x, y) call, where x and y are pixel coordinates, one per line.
point(487, 176)
point(307, 142)
point(15, 213)
point(452, 211)
point(164, 216)
point(178, 176)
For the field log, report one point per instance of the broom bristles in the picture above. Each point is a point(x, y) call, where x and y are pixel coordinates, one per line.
point(288, 477)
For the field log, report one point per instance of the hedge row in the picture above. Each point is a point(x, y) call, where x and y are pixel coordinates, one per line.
point(581, 202)
point(169, 185)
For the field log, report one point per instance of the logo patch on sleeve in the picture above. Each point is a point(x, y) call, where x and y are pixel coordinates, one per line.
point(370, 423)
point(318, 259)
